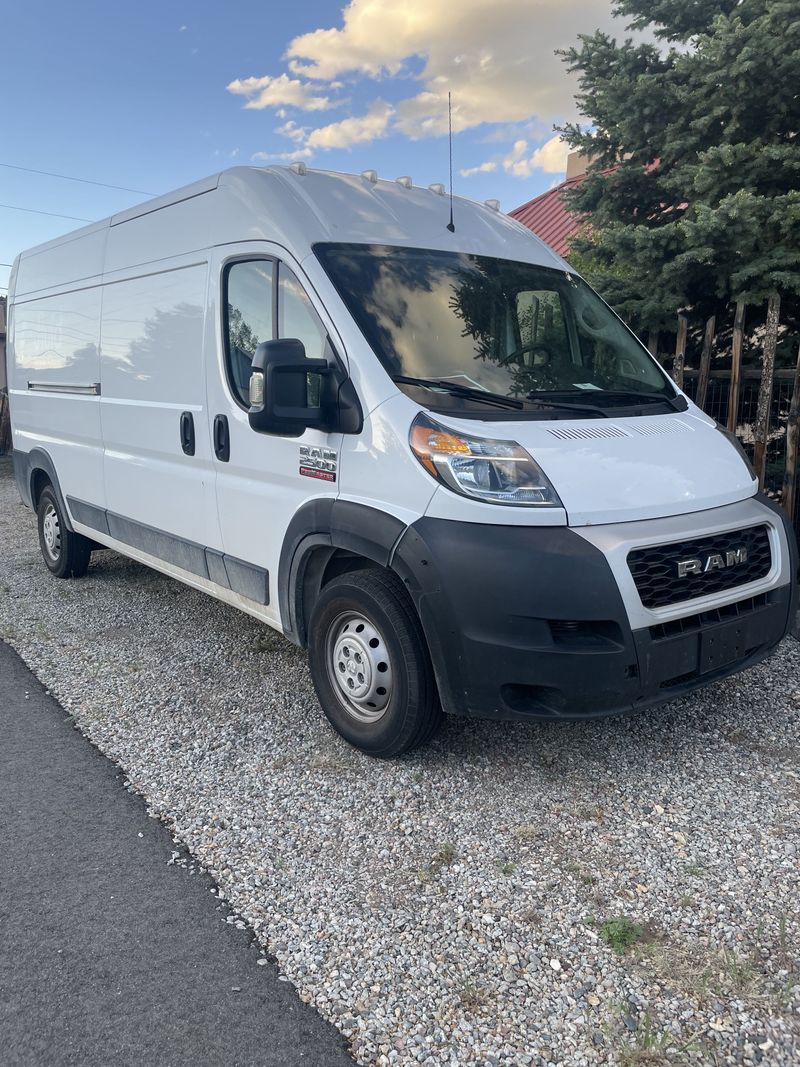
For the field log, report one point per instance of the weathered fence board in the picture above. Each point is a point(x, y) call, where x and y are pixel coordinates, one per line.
point(680, 352)
point(765, 392)
point(705, 361)
point(736, 366)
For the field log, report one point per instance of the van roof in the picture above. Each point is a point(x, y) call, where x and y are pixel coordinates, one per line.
point(298, 207)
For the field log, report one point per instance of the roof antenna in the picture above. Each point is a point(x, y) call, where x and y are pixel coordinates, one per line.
point(451, 225)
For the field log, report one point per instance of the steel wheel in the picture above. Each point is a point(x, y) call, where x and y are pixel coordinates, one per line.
point(51, 533)
point(359, 666)
point(370, 663)
point(66, 554)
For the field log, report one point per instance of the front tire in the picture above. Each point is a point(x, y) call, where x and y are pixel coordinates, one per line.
point(65, 553)
point(370, 664)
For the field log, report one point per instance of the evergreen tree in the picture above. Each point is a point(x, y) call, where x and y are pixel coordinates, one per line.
point(694, 187)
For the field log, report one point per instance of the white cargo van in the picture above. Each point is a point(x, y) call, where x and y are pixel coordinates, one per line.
point(434, 457)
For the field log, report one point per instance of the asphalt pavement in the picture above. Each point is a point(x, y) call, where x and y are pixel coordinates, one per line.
point(109, 953)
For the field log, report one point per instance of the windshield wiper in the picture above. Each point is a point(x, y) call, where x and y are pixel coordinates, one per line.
point(455, 389)
point(646, 398)
point(561, 405)
point(598, 394)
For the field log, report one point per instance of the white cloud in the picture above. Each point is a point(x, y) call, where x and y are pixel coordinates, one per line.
point(356, 130)
point(482, 168)
point(182, 29)
point(551, 157)
point(497, 59)
point(294, 132)
point(523, 159)
point(266, 157)
point(281, 91)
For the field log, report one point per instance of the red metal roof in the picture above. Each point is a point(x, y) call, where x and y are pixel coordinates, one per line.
point(548, 217)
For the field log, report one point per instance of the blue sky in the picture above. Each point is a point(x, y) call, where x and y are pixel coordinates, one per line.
point(154, 95)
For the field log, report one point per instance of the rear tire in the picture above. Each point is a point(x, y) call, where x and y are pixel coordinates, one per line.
point(370, 664)
point(66, 554)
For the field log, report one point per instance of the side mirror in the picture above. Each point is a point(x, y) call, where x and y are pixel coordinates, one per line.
point(279, 401)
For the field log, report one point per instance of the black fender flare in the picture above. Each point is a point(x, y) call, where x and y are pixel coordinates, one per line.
point(26, 464)
point(331, 523)
point(386, 541)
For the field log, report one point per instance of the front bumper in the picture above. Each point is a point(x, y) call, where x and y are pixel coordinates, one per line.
point(530, 622)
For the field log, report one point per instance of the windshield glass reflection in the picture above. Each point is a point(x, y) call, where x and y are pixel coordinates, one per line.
point(492, 325)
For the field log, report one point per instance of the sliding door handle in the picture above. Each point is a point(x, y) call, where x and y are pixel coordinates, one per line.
point(187, 433)
point(222, 439)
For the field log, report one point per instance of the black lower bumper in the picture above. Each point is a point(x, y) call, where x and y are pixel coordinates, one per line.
point(527, 622)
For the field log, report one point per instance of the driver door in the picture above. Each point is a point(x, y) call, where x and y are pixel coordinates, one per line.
point(261, 479)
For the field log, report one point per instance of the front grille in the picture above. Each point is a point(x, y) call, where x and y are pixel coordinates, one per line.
point(692, 623)
point(659, 583)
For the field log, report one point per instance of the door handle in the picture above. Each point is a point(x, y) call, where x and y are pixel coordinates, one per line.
point(187, 433)
point(222, 439)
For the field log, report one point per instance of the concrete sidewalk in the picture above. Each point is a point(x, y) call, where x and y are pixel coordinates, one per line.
point(106, 953)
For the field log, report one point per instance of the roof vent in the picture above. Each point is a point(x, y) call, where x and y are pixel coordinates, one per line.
point(405, 181)
point(493, 204)
point(437, 188)
point(370, 176)
point(298, 167)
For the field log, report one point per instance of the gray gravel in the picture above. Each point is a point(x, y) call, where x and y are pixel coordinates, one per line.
point(451, 907)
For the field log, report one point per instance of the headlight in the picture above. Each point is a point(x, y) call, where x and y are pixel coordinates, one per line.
point(498, 472)
point(737, 444)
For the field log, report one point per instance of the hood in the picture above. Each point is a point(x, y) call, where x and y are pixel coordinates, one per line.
point(618, 470)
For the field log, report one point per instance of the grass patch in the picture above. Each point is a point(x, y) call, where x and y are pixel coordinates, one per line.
point(443, 857)
point(527, 831)
point(708, 975)
point(471, 996)
point(620, 933)
point(653, 1047)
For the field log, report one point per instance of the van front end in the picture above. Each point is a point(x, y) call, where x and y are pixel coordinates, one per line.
point(528, 622)
point(587, 542)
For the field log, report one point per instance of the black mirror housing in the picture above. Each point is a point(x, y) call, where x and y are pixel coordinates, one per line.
point(279, 402)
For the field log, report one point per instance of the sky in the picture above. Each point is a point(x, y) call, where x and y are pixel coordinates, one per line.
point(154, 95)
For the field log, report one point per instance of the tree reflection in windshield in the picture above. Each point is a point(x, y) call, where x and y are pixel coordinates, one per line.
point(507, 327)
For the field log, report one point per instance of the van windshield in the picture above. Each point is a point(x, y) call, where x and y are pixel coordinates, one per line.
point(486, 330)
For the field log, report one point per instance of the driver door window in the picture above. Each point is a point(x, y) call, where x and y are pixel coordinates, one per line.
point(297, 318)
point(248, 319)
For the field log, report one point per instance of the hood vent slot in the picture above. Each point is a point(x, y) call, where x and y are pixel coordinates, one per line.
point(658, 427)
point(646, 427)
point(587, 433)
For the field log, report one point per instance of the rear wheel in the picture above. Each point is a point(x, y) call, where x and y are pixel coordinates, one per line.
point(370, 664)
point(65, 553)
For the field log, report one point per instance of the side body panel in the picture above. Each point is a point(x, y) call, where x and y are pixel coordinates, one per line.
point(152, 373)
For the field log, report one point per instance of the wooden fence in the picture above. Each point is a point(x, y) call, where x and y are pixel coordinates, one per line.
point(760, 404)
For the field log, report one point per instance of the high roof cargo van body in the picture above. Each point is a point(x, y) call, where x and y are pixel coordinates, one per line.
point(434, 458)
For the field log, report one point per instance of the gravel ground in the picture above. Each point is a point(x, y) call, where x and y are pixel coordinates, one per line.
point(620, 892)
